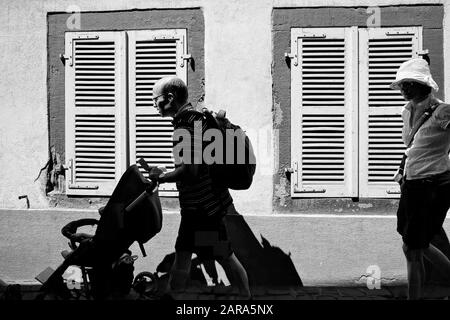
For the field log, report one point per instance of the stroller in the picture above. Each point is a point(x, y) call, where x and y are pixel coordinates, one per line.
point(133, 213)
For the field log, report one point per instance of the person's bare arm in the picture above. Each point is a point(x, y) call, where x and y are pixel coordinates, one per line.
point(185, 172)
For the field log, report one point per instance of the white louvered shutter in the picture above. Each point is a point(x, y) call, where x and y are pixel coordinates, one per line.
point(94, 106)
point(382, 50)
point(324, 112)
point(153, 54)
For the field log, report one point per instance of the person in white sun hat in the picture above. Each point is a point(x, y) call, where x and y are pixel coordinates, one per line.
point(425, 186)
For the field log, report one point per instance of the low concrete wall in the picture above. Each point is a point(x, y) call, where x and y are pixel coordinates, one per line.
point(325, 249)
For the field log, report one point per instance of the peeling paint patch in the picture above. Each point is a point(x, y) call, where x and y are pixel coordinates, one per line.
point(55, 172)
point(277, 115)
point(276, 149)
point(281, 191)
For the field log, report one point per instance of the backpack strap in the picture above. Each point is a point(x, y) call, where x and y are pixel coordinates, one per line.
point(398, 177)
point(425, 116)
point(210, 119)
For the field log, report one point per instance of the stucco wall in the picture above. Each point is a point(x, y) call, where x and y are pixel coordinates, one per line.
point(238, 77)
point(23, 123)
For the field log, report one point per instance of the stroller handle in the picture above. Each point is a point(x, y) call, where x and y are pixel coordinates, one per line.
point(147, 192)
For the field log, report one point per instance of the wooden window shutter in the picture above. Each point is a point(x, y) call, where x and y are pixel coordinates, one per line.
point(382, 50)
point(94, 107)
point(153, 54)
point(324, 112)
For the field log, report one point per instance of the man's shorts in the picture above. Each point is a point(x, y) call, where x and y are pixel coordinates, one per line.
point(422, 209)
point(205, 236)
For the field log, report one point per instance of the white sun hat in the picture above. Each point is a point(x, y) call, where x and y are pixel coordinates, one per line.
point(416, 69)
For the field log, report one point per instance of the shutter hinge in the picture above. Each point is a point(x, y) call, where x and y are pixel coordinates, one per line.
point(85, 37)
point(291, 56)
point(393, 191)
point(319, 35)
point(399, 33)
point(70, 168)
point(63, 58)
point(296, 184)
point(185, 57)
point(310, 190)
point(288, 172)
point(295, 172)
point(294, 56)
point(79, 186)
point(72, 49)
point(423, 52)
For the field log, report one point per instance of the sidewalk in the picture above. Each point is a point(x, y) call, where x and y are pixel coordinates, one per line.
point(30, 291)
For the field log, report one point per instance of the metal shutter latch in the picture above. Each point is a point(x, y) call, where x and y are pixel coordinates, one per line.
point(184, 57)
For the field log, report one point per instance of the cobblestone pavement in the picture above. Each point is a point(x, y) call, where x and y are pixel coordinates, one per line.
point(30, 291)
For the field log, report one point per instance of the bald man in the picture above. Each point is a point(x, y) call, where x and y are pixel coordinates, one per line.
point(203, 204)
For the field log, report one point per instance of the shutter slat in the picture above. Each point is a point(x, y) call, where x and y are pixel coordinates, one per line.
point(95, 156)
point(322, 145)
point(101, 161)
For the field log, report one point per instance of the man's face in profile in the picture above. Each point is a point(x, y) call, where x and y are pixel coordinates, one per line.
point(161, 102)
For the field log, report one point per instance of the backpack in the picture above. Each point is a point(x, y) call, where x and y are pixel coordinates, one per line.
point(232, 172)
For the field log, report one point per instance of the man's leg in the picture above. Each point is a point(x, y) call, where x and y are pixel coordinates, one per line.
point(210, 267)
point(416, 272)
point(179, 273)
point(234, 270)
point(438, 260)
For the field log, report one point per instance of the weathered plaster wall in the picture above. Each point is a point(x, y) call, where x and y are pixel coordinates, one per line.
point(23, 121)
point(238, 79)
point(283, 19)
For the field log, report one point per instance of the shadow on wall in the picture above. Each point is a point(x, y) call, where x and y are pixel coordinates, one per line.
point(266, 265)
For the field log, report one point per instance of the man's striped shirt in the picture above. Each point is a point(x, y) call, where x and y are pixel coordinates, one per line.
point(201, 195)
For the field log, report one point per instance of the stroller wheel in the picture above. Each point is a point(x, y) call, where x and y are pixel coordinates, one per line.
point(145, 283)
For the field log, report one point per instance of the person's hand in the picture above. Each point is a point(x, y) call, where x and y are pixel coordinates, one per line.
point(79, 236)
point(157, 174)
